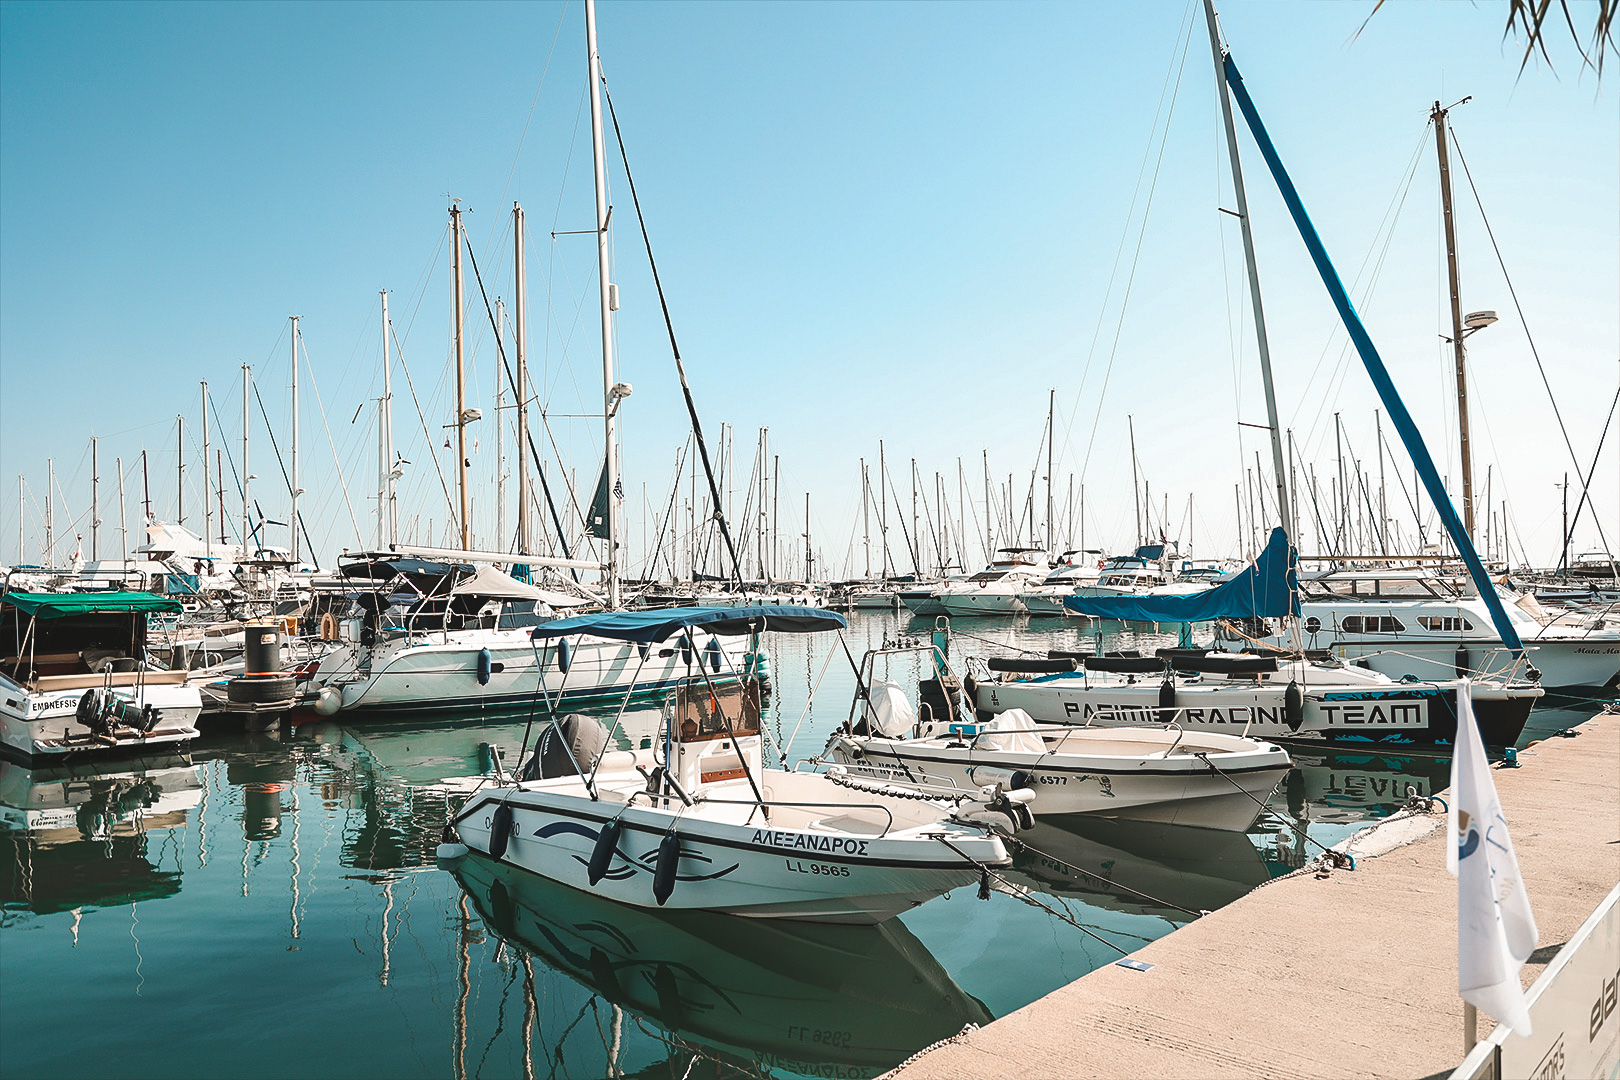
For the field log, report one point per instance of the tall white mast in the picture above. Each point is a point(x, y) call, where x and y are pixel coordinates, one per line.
point(50, 518)
point(500, 425)
point(123, 518)
point(609, 399)
point(461, 378)
point(387, 508)
point(520, 342)
point(1051, 431)
point(1284, 506)
point(95, 502)
point(208, 547)
point(293, 520)
point(247, 520)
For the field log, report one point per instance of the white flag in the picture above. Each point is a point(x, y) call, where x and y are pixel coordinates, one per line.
point(1495, 931)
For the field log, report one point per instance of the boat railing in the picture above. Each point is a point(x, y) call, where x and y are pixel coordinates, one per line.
point(888, 814)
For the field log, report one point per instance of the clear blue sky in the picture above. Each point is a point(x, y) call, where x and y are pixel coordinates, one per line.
point(893, 221)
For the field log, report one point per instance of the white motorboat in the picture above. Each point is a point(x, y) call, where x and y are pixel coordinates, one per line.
point(1074, 571)
point(1405, 622)
point(1210, 780)
point(698, 820)
point(997, 589)
point(75, 681)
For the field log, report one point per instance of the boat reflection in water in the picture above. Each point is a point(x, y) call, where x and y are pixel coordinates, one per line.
point(1339, 786)
point(81, 834)
point(803, 997)
point(1142, 867)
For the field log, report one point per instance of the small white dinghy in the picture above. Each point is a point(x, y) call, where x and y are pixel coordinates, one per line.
point(1208, 780)
point(698, 821)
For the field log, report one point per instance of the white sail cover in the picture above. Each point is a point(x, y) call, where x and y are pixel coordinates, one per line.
point(492, 583)
point(888, 711)
point(1013, 731)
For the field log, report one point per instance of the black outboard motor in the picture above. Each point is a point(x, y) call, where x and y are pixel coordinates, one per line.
point(584, 736)
point(101, 711)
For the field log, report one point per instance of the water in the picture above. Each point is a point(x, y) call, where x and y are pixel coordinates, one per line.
point(270, 907)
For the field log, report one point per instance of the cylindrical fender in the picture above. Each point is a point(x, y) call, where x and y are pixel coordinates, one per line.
point(669, 858)
point(500, 830)
point(607, 845)
point(1461, 661)
point(565, 655)
point(1167, 700)
point(712, 652)
point(1293, 706)
point(483, 667)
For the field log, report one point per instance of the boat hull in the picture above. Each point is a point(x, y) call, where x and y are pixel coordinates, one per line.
point(743, 867)
point(38, 728)
point(1393, 713)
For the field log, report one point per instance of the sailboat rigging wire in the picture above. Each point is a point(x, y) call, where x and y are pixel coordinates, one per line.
point(336, 464)
point(1534, 352)
point(1136, 255)
point(669, 326)
point(512, 382)
point(299, 524)
point(399, 355)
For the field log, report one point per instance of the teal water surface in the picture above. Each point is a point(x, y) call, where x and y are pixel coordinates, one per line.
point(269, 906)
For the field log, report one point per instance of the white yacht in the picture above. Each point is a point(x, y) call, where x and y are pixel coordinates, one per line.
point(1410, 622)
point(998, 588)
point(75, 681)
point(1075, 570)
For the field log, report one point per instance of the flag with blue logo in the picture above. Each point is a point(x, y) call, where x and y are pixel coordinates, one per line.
point(1495, 931)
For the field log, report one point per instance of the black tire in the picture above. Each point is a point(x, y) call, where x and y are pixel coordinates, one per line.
point(260, 689)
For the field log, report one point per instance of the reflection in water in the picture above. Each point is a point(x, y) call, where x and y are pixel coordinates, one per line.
point(798, 995)
point(1140, 866)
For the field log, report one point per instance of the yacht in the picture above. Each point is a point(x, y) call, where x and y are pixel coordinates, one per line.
point(998, 588)
point(1414, 623)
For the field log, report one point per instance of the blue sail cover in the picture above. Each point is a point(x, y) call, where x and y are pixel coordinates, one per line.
point(660, 624)
point(1374, 364)
point(1268, 588)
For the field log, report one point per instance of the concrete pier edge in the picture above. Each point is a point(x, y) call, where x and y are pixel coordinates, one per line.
point(1348, 975)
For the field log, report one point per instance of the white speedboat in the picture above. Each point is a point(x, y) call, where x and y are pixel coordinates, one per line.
point(698, 820)
point(75, 681)
point(1211, 780)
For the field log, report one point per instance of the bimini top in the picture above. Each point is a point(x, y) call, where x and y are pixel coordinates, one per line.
point(660, 624)
point(61, 605)
point(1268, 588)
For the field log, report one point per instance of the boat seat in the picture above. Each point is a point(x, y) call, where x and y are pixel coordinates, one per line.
point(847, 823)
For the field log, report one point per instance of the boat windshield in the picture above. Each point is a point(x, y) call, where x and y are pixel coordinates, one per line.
point(703, 709)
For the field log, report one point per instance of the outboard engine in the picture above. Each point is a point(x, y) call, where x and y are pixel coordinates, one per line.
point(584, 735)
point(101, 711)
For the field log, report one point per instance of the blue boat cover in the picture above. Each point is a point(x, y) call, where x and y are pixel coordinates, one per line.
point(1268, 588)
point(660, 624)
point(1376, 370)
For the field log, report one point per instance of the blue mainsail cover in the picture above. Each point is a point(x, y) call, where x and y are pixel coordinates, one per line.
point(1374, 364)
point(660, 624)
point(1268, 588)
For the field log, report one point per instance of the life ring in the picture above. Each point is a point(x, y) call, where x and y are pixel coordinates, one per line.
point(329, 627)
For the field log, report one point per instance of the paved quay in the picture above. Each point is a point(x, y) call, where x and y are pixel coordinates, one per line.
point(1349, 976)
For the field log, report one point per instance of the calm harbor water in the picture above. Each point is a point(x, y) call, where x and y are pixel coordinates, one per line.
point(269, 906)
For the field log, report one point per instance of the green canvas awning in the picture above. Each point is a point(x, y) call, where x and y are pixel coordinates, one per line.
point(61, 605)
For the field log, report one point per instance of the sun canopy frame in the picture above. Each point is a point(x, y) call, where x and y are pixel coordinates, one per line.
point(661, 624)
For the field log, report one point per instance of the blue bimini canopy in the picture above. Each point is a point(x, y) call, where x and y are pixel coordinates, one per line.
point(1268, 588)
point(661, 624)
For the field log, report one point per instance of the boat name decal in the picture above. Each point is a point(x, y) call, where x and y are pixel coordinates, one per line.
point(832, 845)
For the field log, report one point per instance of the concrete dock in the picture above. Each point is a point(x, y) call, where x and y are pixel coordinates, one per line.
point(1351, 975)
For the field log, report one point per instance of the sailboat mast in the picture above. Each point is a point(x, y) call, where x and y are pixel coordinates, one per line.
point(1262, 343)
point(610, 463)
point(1136, 492)
point(95, 502)
point(500, 442)
point(208, 548)
point(866, 517)
point(883, 506)
point(1439, 116)
point(179, 470)
point(1051, 415)
point(247, 521)
point(123, 516)
point(292, 521)
point(461, 376)
point(520, 336)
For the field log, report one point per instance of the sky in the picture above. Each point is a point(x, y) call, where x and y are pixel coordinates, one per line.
point(898, 222)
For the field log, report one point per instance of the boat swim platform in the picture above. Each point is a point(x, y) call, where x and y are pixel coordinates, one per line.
point(1350, 975)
